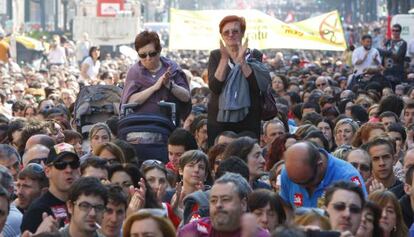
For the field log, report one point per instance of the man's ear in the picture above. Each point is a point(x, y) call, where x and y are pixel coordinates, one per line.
point(44, 190)
point(407, 188)
point(395, 159)
point(243, 203)
point(70, 206)
point(48, 171)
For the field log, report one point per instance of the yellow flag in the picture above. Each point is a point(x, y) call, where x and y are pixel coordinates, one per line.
point(199, 30)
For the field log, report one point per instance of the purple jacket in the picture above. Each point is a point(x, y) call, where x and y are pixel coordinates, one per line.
point(204, 228)
point(139, 79)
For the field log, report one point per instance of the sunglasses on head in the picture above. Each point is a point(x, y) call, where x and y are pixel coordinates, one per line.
point(34, 167)
point(306, 210)
point(152, 163)
point(362, 167)
point(340, 206)
point(38, 160)
point(61, 165)
point(145, 55)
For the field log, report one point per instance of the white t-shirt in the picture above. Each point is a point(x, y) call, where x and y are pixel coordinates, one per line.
point(359, 54)
point(410, 51)
point(82, 50)
point(57, 55)
point(93, 69)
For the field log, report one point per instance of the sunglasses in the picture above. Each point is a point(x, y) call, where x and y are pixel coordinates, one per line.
point(38, 160)
point(61, 165)
point(151, 164)
point(322, 84)
point(232, 31)
point(38, 169)
point(362, 167)
point(340, 206)
point(306, 210)
point(145, 55)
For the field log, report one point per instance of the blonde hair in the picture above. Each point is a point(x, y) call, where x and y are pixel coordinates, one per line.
point(99, 126)
point(164, 224)
point(113, 148)
point(310, 218)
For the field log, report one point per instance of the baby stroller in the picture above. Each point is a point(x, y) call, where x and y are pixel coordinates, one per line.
point(147, 133)
point(95, 104)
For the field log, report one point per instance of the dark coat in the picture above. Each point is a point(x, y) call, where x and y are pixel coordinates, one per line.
point(251, 122)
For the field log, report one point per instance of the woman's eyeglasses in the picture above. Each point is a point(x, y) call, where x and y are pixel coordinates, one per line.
point(232, 31)
point(145, 55)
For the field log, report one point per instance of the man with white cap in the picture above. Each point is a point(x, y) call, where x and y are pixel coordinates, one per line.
point(62, 170)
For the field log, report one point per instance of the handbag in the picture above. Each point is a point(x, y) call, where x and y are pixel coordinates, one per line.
point(269, 108)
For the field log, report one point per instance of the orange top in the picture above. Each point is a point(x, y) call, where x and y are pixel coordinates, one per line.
point(4, 51)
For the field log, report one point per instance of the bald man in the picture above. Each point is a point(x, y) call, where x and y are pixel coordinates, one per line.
point(41, 139)
point(35, 154)
point(309, 171)
point(408, 161)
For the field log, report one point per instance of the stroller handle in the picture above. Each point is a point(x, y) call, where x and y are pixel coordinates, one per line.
point(172, 106)
point(126, 107)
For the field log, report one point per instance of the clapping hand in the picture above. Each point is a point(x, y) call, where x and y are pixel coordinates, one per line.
point(240, 59)
point(249, 225)
point(224, 51)
point(163, 80)
point(49, 224)
point(376, 185)
point(137, 197)
point(177, 199)
point(166, 78)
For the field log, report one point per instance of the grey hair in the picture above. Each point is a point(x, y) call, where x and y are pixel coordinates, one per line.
point(6, 151)
point(37, 148)
point(349, 121)
point(243, 188)
point(6, 179)
point(361, 152)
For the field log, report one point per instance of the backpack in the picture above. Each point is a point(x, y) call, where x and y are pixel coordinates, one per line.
point(196, 206)
point(96, 104)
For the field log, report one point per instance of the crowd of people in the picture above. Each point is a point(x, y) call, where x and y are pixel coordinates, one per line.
point(335, 158)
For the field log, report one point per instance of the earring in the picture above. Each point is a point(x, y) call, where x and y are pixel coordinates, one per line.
point(394, 229)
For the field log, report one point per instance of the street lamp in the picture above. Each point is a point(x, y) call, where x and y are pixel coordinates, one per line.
point(65, 14)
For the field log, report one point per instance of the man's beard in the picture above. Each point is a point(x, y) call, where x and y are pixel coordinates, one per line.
point(367, 47)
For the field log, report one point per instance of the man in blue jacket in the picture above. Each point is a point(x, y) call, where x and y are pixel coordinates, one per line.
point(309, 171)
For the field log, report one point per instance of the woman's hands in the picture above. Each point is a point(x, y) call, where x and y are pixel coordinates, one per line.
point(137, 197)
point(163, 80)
point(241, 59)
point(237, 56)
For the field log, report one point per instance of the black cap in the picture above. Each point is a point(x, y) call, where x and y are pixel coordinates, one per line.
point(60, 151)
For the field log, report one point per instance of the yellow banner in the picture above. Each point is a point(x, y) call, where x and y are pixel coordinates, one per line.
point(199, 30)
